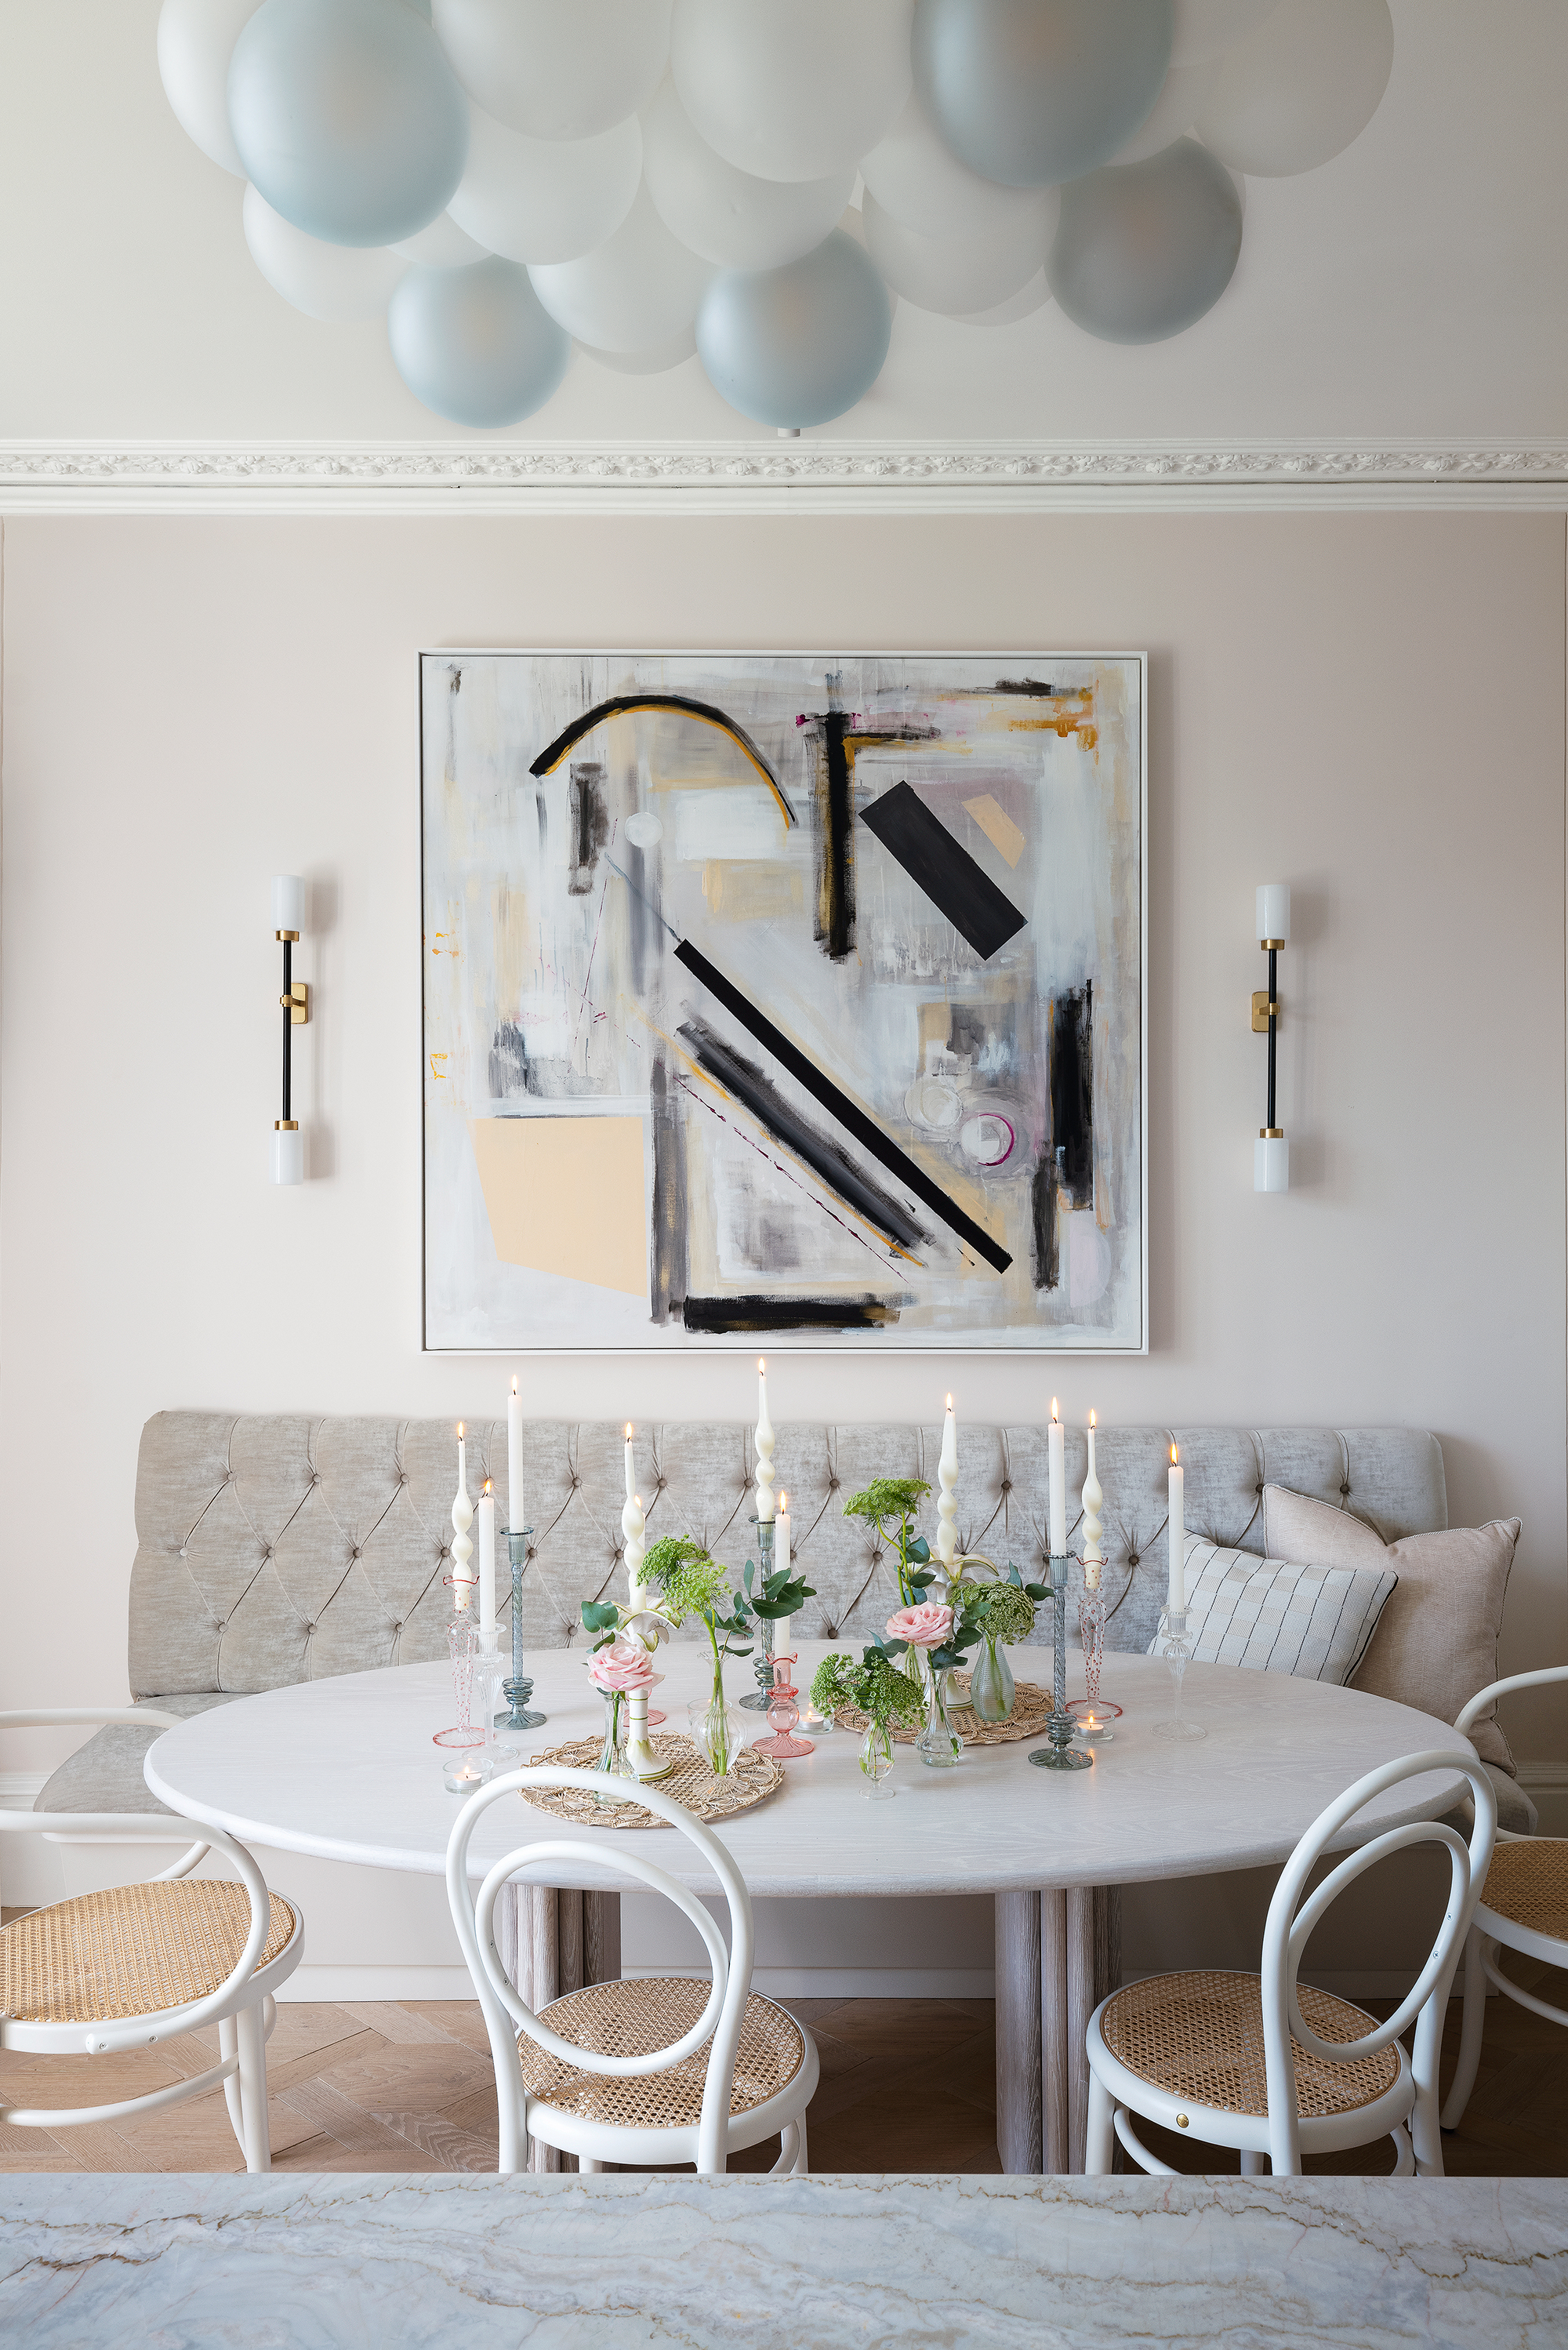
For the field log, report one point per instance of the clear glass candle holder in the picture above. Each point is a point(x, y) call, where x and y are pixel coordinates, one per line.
point(1175, 1648)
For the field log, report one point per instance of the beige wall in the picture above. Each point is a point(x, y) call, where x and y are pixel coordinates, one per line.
point(1368, 706)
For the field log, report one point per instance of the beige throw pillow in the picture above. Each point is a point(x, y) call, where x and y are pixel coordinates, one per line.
point(1436, 1641)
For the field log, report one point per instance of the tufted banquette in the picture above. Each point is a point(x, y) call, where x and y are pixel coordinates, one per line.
point(278, 1549)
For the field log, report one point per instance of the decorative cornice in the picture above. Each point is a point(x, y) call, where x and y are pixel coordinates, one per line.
point(747, 476)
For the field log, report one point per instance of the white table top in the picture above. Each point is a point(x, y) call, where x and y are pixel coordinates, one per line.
point(344, 1769)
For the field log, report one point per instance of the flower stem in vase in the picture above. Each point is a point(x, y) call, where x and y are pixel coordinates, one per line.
point(991, 1685)
point(877, 1760)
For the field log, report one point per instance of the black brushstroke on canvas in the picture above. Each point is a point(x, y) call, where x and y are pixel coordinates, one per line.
point(590, 823)
point(715, 1317)
point(554, 753)
point(826, 1159)
point(944, 870)
point(836, 855)
point(1073, 1092)
point(667, 1254)
point(848, 1113)
point(1045, 1246)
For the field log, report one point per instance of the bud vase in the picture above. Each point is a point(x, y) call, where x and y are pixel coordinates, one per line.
point(877, 1760)
point(939, 1743)
point(990, 1687)
point(612, 1760)
point(716, 1727)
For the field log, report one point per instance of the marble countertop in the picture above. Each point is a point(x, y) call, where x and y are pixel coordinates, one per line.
point(319, 2263)
point(345, 1769)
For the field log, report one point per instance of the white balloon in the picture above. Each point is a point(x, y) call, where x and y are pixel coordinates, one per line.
point(1306, 83)
point(1021, 305)
point(672, 353)
point(195, 41)
point(546, 199)
point(1175, 109)
point(556, 68)
point(730, 216)
point(916, 176)
point(1206, 28)
point(792, 90)
point(638, 288)
point(339, 283)
point(960, 275)
point(442, 245)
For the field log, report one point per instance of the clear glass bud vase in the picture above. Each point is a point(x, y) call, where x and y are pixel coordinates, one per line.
point(716, 1727)
point(612, 1759)
point(939, 1743)
point(877, 1760)
point(991, 1685)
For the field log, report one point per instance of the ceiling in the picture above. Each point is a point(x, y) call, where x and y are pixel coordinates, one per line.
point(1409, 294)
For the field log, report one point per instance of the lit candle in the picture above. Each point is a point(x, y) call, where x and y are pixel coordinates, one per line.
point(947, 1505)
point(1094, 1556)
point(516, 1518)
point(633, 1526)
point(764, 1440)
point(487, 1561)
point(462, 1519)
point(1178, 1597)
point(1058, 1488)
point(630, 1479)
point(781, 1536)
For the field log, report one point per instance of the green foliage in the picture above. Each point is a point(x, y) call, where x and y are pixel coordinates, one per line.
point(694, 1584)
point(887, 1497)
point(602, 1617)
point(875, 1686)
point(1007, 1612)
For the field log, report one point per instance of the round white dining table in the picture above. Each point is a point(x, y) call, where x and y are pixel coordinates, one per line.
point(345, 1769)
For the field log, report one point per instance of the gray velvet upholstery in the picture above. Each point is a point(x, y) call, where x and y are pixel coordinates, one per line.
point(273, 1550)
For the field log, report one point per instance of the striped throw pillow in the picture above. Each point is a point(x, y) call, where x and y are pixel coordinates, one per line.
point(1272, 1617)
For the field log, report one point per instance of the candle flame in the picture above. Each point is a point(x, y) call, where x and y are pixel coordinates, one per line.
point(514, 1382)
point(950, 1403)
point(460, 1431)
point(1052, 1406)
point(761, 1367)
point(1092, 1420)
point(784, 1504)
point(1175, 1456)
point(487, 1484)
point(629, 1431)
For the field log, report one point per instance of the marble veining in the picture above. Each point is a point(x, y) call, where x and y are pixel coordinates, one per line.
point(748, 2263)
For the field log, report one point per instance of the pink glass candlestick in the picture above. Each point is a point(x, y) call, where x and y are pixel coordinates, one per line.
point(783, 1713)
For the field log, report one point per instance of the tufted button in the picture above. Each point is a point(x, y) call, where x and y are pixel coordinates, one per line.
point(1257, 1489)
point(310, 1628)
point(658, 1485)
point(315, 1476)
point(833, 1487)
point(266, 1554)
point(1007, 1484)
point(222, 1624)
point(830, 1631)
point(183, 1552)
point(1132, 1558)
point(402, 1476)
point(443, 1551)
point(398, 1625)
point(1344, 1489)
point(576, 1484)
point(353, 1554)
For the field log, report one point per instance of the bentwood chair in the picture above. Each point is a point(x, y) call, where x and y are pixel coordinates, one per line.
point(1523, 1907)
point(140, 1963)
point(1269, 2066)
point(650, 2073)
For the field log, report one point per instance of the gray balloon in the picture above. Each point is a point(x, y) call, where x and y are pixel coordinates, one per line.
point(1028, 92)
point(476, 344)
point(800, 344)
point(1144, 249)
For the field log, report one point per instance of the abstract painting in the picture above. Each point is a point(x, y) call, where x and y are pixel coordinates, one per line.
point(787, 998)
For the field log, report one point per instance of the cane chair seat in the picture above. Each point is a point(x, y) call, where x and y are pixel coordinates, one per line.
point(133, 1950)
point(1199, 2037)
point(636, 2018)
point(1528, 1884)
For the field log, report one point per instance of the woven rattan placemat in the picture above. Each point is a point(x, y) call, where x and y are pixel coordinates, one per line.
point(752, 1779)
point(1031, 1713)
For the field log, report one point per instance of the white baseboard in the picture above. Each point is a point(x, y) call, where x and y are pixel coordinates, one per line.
point(1546, 1784)
point(852, 1983)
point(337, 1984)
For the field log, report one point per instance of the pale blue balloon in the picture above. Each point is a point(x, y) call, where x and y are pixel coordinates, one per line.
point(476, 345)
point(347, 117)
point(1028, 92)
point(800, 344)
point(1144, 249)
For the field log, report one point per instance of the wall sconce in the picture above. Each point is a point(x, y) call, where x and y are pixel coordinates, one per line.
point(1271, 1153)
point(289, 920)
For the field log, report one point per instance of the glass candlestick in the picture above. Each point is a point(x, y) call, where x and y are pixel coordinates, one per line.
point(489, 1672)
point(1093, 1713)
point(461, 1639)
point(761, 1697)
point(1060, 1727)
point(519, 1689)
point(1175, 1648)
point(783, 1713)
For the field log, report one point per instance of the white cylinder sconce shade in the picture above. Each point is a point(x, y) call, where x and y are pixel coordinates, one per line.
point(288, 902)
point(287, 1155)
point(1274, 910)
point(1272, 1163)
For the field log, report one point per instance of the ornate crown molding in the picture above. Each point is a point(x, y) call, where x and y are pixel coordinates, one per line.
point(763, 475)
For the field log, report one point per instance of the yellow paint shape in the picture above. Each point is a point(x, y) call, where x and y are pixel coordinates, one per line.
point(997, 826)
point(565, 1195)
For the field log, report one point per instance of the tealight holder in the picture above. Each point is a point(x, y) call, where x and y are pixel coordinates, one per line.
point(518, 1688)
point(1176, 1649)
point(1094, 1719)
point(761, 1697)
point(1061, 1726)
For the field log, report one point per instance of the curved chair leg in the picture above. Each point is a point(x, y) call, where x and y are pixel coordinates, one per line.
point(250, 2035)
point(801, 2163)
point(228, 2045)
point(1426, 2132)
point(1254, 2163)
point(1470, 2033)
point(587, 2163)
point(1405, 2168)
point(1099, 2147)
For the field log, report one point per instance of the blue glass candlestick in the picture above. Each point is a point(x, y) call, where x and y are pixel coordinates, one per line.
point(519, 1689)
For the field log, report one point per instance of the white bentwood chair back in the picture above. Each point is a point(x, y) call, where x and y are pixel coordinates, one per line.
point(505, 2013)
point(1291, 1922)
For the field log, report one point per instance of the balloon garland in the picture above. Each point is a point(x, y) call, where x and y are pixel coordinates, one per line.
point(650, 178)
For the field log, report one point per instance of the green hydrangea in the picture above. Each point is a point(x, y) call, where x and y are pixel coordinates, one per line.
point(692, 1582)
point(1010, 1612)
point(887, 1497)
point(874, 1686)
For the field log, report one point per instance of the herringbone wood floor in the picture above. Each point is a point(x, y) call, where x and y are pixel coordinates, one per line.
point(906, 2086)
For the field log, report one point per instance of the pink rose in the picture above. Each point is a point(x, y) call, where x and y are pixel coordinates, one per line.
point(621, 1667)
point(925, 1627)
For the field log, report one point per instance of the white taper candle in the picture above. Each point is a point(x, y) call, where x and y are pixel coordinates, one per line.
point(487, 1560)
point(765, 1441)
point(947, 1504)
point(1057, 1464)
point(516, 1517)
point(1177, 1595)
